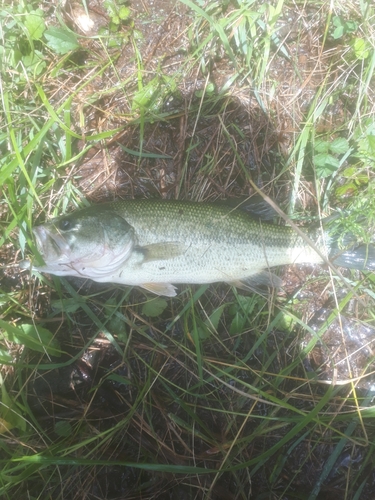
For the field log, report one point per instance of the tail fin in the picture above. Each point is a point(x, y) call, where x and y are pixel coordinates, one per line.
point(361, 257)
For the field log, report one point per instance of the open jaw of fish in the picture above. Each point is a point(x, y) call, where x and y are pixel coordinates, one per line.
point(155, 244)
point(60, 248)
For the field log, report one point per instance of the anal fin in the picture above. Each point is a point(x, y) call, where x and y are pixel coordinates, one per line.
point(257, 282)
point(165, 289)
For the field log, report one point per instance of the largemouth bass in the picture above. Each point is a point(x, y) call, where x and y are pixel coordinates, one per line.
point(155, 244)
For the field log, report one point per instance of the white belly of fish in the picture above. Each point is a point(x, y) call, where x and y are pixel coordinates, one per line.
point(207, 264)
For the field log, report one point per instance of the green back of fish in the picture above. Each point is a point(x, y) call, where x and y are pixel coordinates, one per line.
point(163, 220)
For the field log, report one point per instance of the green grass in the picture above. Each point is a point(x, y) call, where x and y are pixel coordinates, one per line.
point(112, 393)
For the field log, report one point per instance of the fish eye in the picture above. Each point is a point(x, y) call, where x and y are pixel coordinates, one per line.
point(66, 225)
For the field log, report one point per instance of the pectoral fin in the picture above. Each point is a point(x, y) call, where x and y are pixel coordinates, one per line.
point(162, 251)
point(258, 281)
point(165, 289)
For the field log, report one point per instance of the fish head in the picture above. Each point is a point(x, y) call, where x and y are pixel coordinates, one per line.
point(92, 243)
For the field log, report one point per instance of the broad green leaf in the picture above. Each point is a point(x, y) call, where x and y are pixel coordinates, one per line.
point(349, 172)
point(40, 339)
point(9, 411)
point(371, 144)
point(285, 322)
point(209, 326)
point(61, 40)
point(203, 332)
point(117, 325)
point(35, 338)
point(346, 190)
point(367, 147)
point(213, 321)
point(34, 62)
point(34, 23)
point(246, 304)
point(69, 305)
point(111, 7)
point(5, 426)
point(321, 146)
point(343, 27)
point(361, 48)
point(208, 90)
point(5, 357)
point(16, 56)
point(351, 26)
point(124, 13)
point(154, 307)
point(63, 428)
point(143, 97)
point(339, 146)
point(339, 31)
point(325, 164)
point(323, 159)
point(238, 324)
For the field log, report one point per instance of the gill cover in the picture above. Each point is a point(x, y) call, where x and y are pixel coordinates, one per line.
point(91, 243)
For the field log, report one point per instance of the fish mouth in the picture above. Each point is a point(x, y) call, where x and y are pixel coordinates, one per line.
point(51, 246)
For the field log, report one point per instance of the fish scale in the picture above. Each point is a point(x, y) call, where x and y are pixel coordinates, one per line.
point(155, 243)
point(170, 242)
